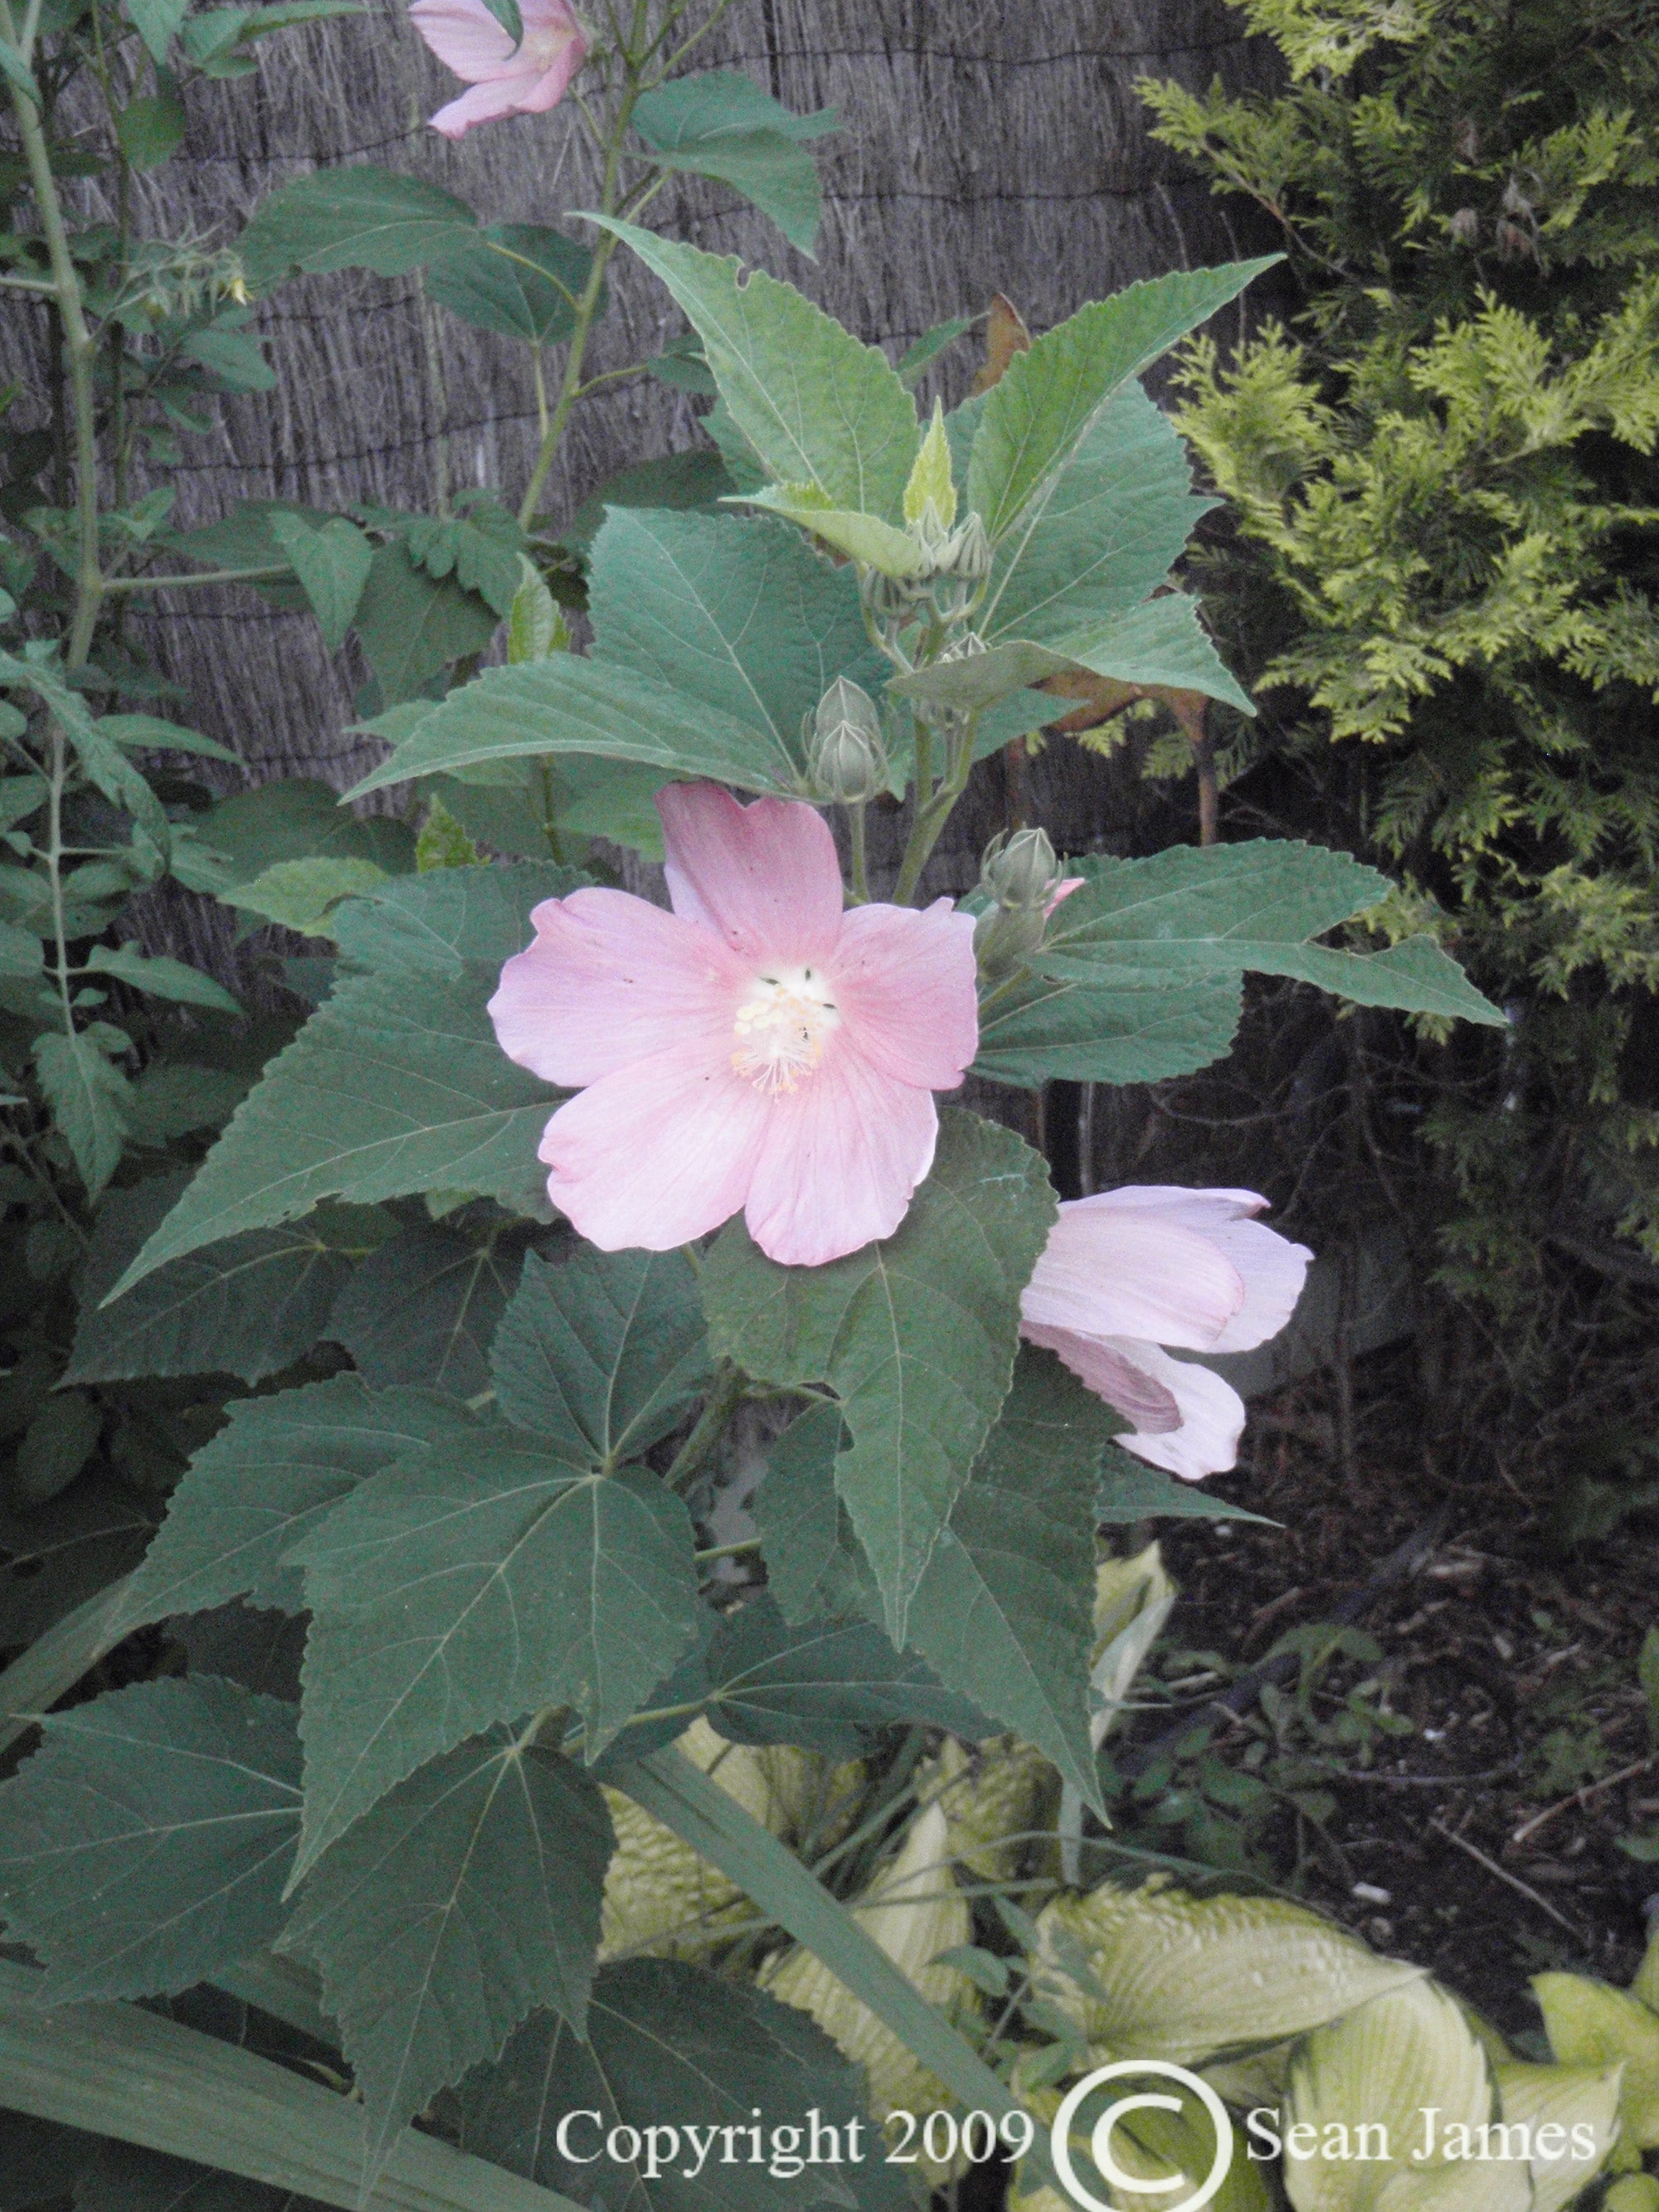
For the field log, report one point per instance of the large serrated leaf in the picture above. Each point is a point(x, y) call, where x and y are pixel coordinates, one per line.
point(916, 1335)
point(1125, 1029)
point(721, 125)
point(425, 1308)
point(570, 704)
point(468, 1897)
point(520, 280)
point(276, 1467)
point(1048, 395)
point(740, 615)
point(355, 217)
point(600, 1353)
point(818, 406)
point(1004, 1609)
point(146, 1844)
point(670, 2045)
point(473, 1582)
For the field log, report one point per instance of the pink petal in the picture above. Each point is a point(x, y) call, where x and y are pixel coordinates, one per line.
point(1274, 1270)
point(841, 1157)
point(555, 83)
point(905, 986)
point(1197, 1209)
point(656, 1153)
point(464, 36)
point(1212, 1419)
point(1063, 889)
point(609, 979)
point(765, 877)
point(1112, 1373)
point(479, 103)
point(1109, 1272)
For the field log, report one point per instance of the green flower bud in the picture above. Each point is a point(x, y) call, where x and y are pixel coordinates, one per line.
point(1020, 872)
point(846, 757)
point(1006, 937)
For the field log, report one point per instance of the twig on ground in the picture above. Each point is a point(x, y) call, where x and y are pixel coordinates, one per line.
point(1513, 1881)
point(1582, 1797)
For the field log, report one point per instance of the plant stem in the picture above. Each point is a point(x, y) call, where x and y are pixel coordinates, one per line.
point(860, 857)
point(79, 345)
point(688, 1461)
point(269, 574)
point(935, 810)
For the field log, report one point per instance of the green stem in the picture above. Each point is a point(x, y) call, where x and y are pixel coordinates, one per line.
point(934, 811)
point(729, 1384)
point(269, 574)
point(79, 346)
point(43, 285)
point(860, 857)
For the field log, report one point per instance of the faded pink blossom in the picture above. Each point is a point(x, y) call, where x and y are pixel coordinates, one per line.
point(466, 38)
point(1131, 1270)
point(757, 1049)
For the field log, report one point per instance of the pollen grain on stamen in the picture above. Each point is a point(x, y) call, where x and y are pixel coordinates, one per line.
point(781, 1028)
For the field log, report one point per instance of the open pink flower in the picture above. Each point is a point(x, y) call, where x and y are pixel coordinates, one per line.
point(466, 38)
point(1128, 1272)
point(758, 1048)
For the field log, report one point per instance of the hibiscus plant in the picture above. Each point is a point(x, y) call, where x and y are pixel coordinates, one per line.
point(590, 1340)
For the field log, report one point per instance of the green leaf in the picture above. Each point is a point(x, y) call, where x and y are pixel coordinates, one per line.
point(464, 1900)
point(722, 125)
point(301, 894)
point(671, 2046)
point(817, 405)
point(865, 539)
point(20, 951)
point(568, 703)
point(1161, 643)
point(741, 616)
point(424, 1308)
point(1115, 522)
point(156, 23)
point(332, 564)
point(358, 217)
point(146, 1842)
point(412, 625)
point(719, 1830)
point(278, 1466)
point(150, 129)
point(233, 358)
point(601, 1353)
point(123, 2179)
point(474, 1582)
point(55, 1446)
point(87, 1093)
point(822, 1684)
point(1004, 1610)
point(481, 546)
point(1036, 412)
point(1192, 912)
point(1127, 1029)
point(916, 360)
point(162, 977)
point(396, 1084)
point(814, 1563)
point(673, 484)
point(148, 733)
point(517, 279)
point(117, 2070)
point(299, 819)
point(916, 1336)
point(1131, 1491)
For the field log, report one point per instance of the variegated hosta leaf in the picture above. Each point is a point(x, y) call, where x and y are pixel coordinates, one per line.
point(1154, 1973)
point(1133, 1598)
point(1152, 2147)
point(1571, 2116)
point(997, 1801)
point(914, 1911)
point(660, 1897)
point(1409, 2070)
point(1591, 2024)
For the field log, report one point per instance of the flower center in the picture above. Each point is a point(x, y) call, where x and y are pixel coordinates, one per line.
point(782, 1027)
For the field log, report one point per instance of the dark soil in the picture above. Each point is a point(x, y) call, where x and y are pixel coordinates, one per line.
point(1494, 1825)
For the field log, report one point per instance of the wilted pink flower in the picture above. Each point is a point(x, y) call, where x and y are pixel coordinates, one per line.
point(1133, 1270)
point(466, 38)
point(758, 1048)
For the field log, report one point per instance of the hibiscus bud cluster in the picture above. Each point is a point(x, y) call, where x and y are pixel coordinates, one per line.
point(1019, 874)
point(846, 757)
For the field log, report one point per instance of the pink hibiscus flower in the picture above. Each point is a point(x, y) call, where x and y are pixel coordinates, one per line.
point(1133, 1270)
point(758, 1048)
point(528, 80)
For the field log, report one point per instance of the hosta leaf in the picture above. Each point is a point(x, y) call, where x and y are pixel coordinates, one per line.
point(740, 615)
point(1590, 2024)
point(1575, 2102)
point(146, 1844)
point(1116, 521)
point(821, 1684)
point(600, 1353)
point(1175, 1977)
point(277, 1466)
point(571, 704)
point(1048, 396)
point(670, 2045)
point(425, 1307)
point(397, 1084)
point(473, 1582)
point(354, 217)
point(818, 407)
point(464, 1899)
point(248, 1307)
point(1003, 1611)
point(916, 1336)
